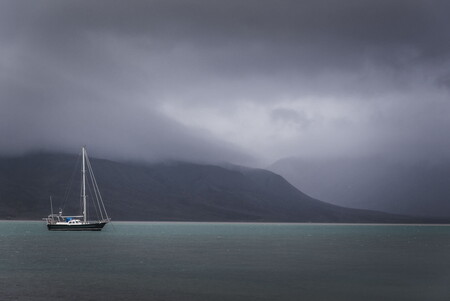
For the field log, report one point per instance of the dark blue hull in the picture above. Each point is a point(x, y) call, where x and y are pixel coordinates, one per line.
point(81, 227)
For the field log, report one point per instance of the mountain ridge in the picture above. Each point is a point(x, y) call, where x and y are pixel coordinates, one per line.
point(395, 186)
point(169, 191)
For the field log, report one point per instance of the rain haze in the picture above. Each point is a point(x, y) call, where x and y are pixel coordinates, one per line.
point(230, 129)
point(246, 82)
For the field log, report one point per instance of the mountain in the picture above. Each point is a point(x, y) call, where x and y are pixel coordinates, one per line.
point(165, 191)
point(412, 188)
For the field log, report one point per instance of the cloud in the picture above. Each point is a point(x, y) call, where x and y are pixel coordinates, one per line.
point(225, 80)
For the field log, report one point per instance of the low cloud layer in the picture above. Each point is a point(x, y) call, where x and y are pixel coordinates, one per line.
point(246, 82)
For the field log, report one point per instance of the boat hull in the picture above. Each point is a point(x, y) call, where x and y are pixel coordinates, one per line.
point(77, 227)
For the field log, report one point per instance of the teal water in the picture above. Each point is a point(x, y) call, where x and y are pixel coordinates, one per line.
point(221, 261)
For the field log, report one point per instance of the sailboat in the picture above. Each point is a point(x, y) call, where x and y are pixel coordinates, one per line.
point(60, 222)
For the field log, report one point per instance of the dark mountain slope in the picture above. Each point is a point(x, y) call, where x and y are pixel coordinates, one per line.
point(166, 191)
point(412, 188)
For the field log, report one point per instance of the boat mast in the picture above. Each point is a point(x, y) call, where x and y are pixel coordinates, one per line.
point(83, 171)
point(51, 205)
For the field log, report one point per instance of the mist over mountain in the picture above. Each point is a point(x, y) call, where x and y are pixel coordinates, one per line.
point(406, 187)
point(165, 191)
point(246, 82)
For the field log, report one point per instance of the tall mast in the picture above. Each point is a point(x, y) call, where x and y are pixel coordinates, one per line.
point(51, 206)
point(83, 172)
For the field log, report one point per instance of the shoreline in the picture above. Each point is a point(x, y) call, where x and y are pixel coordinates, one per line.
point(255, 223)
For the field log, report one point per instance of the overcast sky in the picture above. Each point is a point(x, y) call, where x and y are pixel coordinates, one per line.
point(247, 82)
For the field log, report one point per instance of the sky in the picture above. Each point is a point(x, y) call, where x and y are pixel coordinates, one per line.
point(247, 82)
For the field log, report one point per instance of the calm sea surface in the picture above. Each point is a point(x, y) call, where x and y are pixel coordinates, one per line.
point(221, 261)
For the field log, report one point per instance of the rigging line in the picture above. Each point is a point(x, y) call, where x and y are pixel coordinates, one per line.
point(95, 193)
point(93, 203)
point(95, 187)
point(98, 190)
point(81, 196)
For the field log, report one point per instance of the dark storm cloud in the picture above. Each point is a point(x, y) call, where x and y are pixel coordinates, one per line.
point(224, 80)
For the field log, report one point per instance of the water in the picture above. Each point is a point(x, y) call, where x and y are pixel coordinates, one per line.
point(220, 261)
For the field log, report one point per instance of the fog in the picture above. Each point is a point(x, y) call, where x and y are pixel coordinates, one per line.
point(243, 82)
